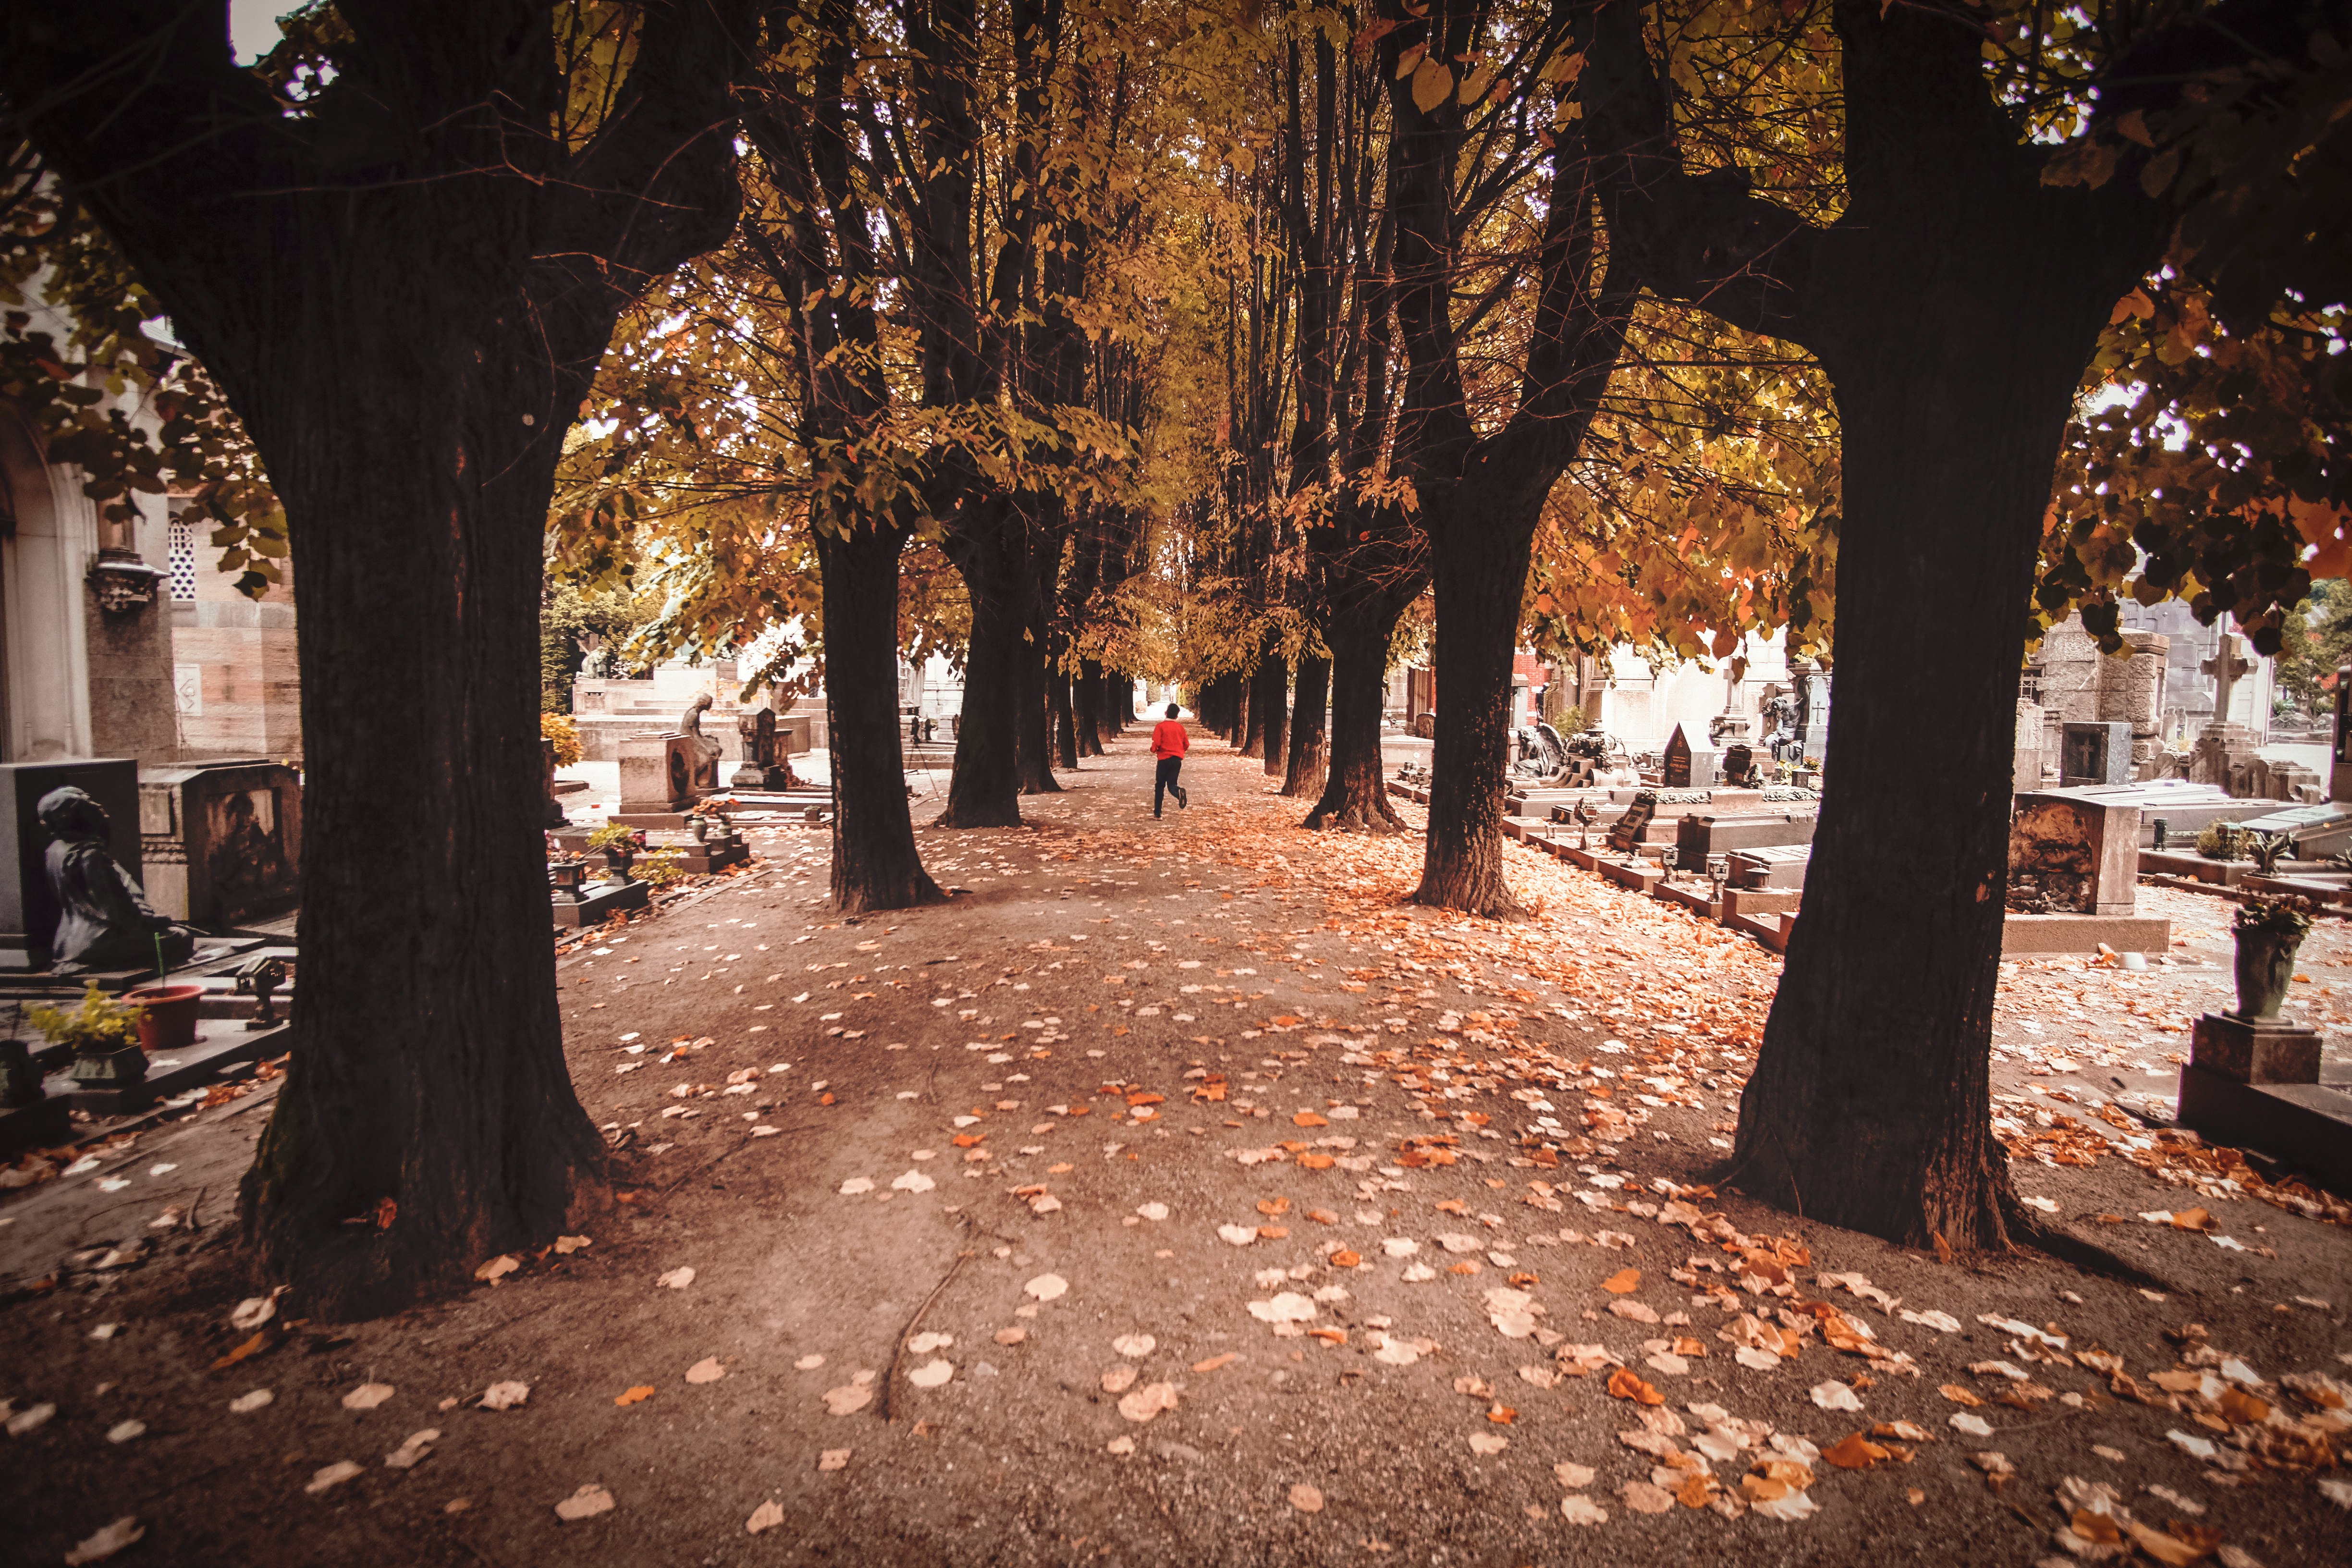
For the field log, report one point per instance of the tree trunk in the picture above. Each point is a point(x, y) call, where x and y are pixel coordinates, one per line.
point(1036, 745)
point(1479, 567)
point(1087, 704)
point(1355, 793)
point(875, 863)
point(1065, 719)
point(428, 1072)
point(1869, 1107)
point(1309, 750)
point(984, 789)
point(1274, 694)
point(1249, 725)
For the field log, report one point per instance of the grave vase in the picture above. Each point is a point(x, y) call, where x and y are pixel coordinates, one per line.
point(2265, 968)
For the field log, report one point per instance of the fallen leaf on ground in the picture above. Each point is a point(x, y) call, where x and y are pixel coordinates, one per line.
point(1623, 1384)
point(1974, 1425)
point(256, 1310)
point(848, 1398)
point(586, 1503)
point(367, 1397)
point(497, 1267)
point(832, 1459)
point(123, 1431)
point(1854, 1453)
point(767, 1515)
point(932, 1373)
point(333, 1475)
point(1306, 1499)
point(642, 1391)
point(1581, 1510)
point(1148, 1401)
point(1959, 1395)
point(415, 1447)
point(1153, 1210)
point(1643, 1497)
point(676, 1280)
point(1623, 1282)
point(858, 1186)
point(1571, 1475)
point(1215, 1362)
point(242, 1351)
point(110, 1540)
point(1119, 1379)
point(1046, 1287)
point(1136, 1345)
point(707, 1370)
point(247, 1404)
point(1835, 1395)
point(1488, 1442)
point(1120, 1445)
point(565, 1246)
point(808, 1363)
point(505, 1396)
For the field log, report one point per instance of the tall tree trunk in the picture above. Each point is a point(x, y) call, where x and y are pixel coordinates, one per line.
point(430, 1072)
point(1869, 1107)
point(1355, 791)
point(1309, 760)
point(984, 791)
point(1479, 567)
point(1065, 719)
point(1037, 747)
point(1274, 694)
point(1087, 704)
point(1249, 728)
point(875, 863)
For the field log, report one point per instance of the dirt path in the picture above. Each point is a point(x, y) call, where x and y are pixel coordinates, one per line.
point(1390, 1223)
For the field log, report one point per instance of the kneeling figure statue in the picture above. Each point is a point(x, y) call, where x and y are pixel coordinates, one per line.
point(107, 922)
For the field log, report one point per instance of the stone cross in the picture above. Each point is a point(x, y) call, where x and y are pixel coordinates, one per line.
point(2229, 663)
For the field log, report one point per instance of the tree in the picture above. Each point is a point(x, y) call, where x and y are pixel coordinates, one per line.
point(1954, 295)
point(402, 278)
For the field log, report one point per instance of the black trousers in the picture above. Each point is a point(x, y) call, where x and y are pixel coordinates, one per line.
point(1163, 782)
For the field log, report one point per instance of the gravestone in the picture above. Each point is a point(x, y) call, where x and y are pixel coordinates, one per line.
point(2025, 770)
point(656, 774)
point(2225, 751)
point(1677, 772)
point(2073, 854)
point(2094, 753)
point(1814, 698)
point(1628, 829)
point(222, 841)
point(764, 749)
point(28, 909)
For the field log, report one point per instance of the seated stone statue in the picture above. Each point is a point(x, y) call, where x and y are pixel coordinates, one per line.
point(107, 922)
point(764, 766)
point(705, 776)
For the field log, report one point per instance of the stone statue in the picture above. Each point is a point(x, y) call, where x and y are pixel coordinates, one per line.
point(763, 766)
point(106, 924)
point(704, 779)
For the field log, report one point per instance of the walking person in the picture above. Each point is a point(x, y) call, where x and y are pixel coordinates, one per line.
point(1169, 742)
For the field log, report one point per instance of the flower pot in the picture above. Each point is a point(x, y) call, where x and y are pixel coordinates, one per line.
point(167, 1016)
point(2265, 968)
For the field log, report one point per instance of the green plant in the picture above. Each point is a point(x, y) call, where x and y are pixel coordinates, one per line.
point(562, 728)
point(660, 868)
point(2221, 841)
point(613, 836)
point(2287, 917)
point(100, 1024)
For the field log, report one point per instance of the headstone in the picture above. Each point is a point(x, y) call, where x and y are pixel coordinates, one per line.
point(28, 909)
point(2070, 854)
point(1627, 831)
point(1677, 768)
point(2095, 753)
point(1813, 728)
point(764, 766)
point(222, 841)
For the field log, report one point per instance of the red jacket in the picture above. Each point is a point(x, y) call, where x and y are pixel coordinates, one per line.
point(1170, 738)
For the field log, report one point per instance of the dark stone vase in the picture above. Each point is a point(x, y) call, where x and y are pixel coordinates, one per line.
point(2265, 968)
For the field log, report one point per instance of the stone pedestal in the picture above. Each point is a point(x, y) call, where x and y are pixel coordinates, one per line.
point(28, 913)
point(2254, 1083)
point(222, 841)
point(2072, 853)
point(2025, 768)
point(2255, 1050)
point(657, 773)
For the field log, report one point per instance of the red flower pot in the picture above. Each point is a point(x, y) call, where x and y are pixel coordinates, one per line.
point(167, 1016)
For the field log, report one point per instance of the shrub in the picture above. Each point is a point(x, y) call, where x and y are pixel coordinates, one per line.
point(564, 731)
point(100, 1024)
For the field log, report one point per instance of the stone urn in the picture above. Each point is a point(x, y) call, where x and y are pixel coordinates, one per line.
point(700, 827)
point(2269, 933)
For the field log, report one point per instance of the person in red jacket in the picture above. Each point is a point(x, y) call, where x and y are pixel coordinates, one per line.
point(1169, 740)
